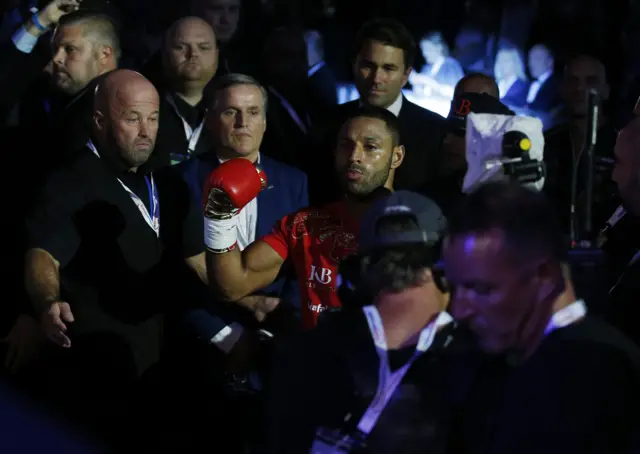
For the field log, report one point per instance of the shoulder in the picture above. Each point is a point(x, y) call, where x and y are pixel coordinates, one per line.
point(419, 113)
point(74, 172)
point(556, 131)
point(592, 346)
point(312, 220)
point(278, 167)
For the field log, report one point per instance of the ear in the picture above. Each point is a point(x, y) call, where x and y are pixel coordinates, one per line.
point(106, 55)
point(405, 76)
point(550, 279)
point(99, 121)
point(397, 156)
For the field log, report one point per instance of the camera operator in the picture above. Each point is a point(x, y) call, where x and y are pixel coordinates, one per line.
point(453, 165)
point(386, 372)
point(562, 381)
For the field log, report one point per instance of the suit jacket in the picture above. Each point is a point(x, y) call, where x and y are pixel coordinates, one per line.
point(287, 193)
point(421, 133)
point(517, 94)
point(548, 95)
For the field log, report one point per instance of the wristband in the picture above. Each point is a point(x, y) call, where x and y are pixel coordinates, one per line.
point(220, 235)
point(37, 23)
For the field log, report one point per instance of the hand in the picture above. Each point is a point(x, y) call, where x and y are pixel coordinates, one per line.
point(53, 322)
point(260, 305)
point(24, 343)
point(51, 14)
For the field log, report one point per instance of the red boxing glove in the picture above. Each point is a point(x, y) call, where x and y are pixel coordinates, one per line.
point(231, 186)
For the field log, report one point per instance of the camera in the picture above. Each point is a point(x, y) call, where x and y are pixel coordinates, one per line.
point(504, 147)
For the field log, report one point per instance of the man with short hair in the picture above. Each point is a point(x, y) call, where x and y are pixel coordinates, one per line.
point(384, 53)
point(190, 60)
point(396, 365)
point(236, 123)
point(314, 240)
point(562, 381)
point(85, 46)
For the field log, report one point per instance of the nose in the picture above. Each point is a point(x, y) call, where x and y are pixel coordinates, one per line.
point(240, 120)
point(58, 57)
point(460, 306)
point(143, 131)
point(192, 51)
point(356, 153)
point(379, 76)
point(615, 173)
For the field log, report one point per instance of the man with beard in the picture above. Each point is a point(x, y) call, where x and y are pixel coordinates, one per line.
point(383, 58)
point(190, 60)
point(108, 244)
point(315, 240)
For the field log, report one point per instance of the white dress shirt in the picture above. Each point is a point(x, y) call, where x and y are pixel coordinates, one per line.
point(227, 337)
point(505, 84)
point(535, 86)
point(395, 106)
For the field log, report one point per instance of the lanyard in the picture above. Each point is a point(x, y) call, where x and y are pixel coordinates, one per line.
point(152, 219)
point(304, 126)
point(566, 316)
point(388, 381)
point(192, 135)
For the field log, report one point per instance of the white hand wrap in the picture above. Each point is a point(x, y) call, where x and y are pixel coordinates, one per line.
point(220, 235)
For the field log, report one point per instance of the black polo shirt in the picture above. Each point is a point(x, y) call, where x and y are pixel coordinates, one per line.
point(172, 145)
point(116, 273)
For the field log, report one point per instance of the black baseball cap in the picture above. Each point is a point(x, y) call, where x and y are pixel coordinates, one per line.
point(431, 223)
point(466, 103)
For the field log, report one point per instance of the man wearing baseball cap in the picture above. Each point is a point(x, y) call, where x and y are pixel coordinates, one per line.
point(387, 362)
point(453, 163)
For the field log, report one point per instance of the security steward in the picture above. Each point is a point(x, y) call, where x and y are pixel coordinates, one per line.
point(388, 371)
point(108, 246)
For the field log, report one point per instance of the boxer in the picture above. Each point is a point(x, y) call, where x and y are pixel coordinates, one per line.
point(315, 240)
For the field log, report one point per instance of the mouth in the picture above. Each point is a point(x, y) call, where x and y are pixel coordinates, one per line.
point(375, 91)
point(354, 174)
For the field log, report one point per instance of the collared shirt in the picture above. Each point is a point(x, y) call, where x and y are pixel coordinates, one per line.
point(535, 86)
point(395, 106)
point(433, 70)
point(505, 84)
point(566, 316)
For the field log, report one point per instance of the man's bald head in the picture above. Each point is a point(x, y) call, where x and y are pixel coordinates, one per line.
point(190, 55)
point(126, 110)
point(477, 83)
point(626, 172)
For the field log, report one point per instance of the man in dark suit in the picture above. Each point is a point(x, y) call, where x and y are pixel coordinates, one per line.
point(544, 91)
point(240, 137)
point(236, 121)
point(384, 58)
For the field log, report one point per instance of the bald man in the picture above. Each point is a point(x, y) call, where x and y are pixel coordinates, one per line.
point(477, 83)
point(107, 243)
point(564, 143)
point(190, 60)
